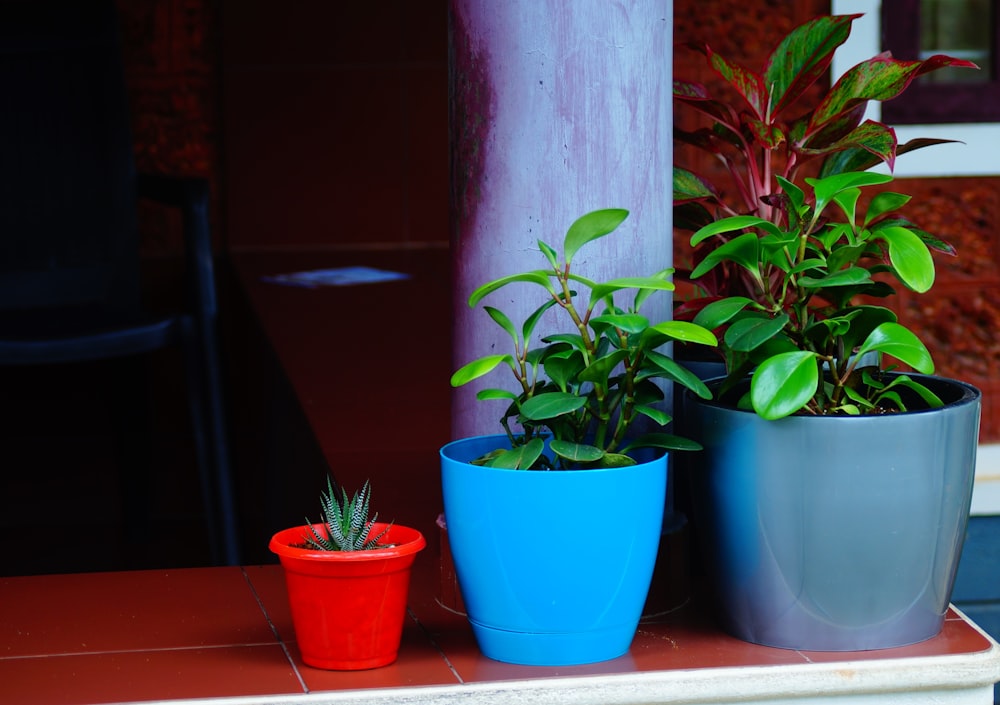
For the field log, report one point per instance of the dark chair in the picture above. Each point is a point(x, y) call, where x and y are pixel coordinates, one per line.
point(69, 242)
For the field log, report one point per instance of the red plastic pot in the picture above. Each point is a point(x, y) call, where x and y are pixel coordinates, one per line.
point(348, 607)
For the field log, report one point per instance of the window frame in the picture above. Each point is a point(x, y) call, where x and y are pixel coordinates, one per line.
point(932, 102)
point(976, 150)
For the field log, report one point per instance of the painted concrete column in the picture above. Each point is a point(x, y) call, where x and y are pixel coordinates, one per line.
point(557, 108)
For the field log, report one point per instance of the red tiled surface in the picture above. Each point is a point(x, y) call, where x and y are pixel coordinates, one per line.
point(109, 637)
point(215, 632)
point(212, 632)
point(126, 676)
point(46, 614)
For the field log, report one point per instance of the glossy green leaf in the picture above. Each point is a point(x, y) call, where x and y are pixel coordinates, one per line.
point(845, 255)
point(825, 328)
point(896, 340)
point(909, 257)
point(520, 458)
point(599, 291)
point(733, 224)
point(628, 322)
point(784, 384)
point(531, 321)
point(551, 405)
point(477, 368)
point(848, 202)
point(487, 394)
point(643, 292)
point(743, 250)
point(932, 400)
point(805, 265)
point(576, 452)
point(750, 333)
point(666, 441)
point(686, 332)
point(501, 319)
point(536, 277)
point(893, 398)
point(863, 320)
point(615, 460)
point(563, 370)
point(647, 392)
point(571, 339)
point(795, 195)
point(599, 370)
point(844, 277)
point(829, 236)
point(932, 241)
point(677, 372)
point(721, 312)
point(591, 226)
point(825, 189)
point(657, 415)
point(883, 203)
point(550, 254)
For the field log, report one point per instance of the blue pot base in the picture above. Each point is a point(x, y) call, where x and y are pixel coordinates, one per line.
point(566, 649)
point(536, 594)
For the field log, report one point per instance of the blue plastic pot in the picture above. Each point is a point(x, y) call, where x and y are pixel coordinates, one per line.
point(835, 533)
point(548, 579)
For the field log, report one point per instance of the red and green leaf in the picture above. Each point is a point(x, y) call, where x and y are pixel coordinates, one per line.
point(747, 83)
point(875, 138)
point(688, 186)
point(804, 56)
point(880, 78)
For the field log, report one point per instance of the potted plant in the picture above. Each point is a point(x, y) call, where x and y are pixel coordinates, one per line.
point(554, 524)
point(348, 580)
point(833, 490)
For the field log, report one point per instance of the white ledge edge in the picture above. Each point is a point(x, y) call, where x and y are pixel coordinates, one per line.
point(930, 675)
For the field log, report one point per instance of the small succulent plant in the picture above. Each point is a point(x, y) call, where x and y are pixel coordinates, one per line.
point(346, 521)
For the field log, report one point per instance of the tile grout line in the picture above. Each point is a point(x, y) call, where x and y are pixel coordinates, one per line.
point(274, 630)
point(140, 650)
point(437, 647)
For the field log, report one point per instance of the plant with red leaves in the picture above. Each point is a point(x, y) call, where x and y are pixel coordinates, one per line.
point(781, 262)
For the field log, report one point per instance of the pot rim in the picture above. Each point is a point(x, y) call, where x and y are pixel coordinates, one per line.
point(409, 540)
point(444, 453)
point(969, 394)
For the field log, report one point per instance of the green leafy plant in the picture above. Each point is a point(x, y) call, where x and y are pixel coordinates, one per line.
point(585, 387)
point(783, 257)
point(346, 526)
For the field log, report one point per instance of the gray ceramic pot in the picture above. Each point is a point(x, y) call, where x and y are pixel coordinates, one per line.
point(835, 533)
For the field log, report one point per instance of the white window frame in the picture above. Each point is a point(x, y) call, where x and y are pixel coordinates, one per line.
point(979, 153)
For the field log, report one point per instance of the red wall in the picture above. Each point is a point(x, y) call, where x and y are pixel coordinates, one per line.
point(324, 124)
point(334, 122)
